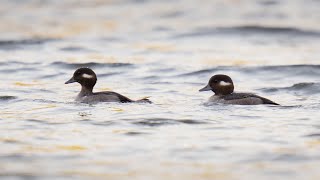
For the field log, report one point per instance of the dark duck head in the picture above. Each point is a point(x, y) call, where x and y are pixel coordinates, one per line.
point(220, 84)
point(84, 76)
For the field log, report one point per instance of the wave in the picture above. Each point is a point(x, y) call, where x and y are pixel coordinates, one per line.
point(76, 49)
point(89, 64)
point(7, 98)
point(164, 121)
point(303, 87)
point(294, 69)
point(251, 30)
point(15, 44)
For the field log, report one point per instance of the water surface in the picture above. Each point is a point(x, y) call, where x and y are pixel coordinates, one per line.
point(167, 50)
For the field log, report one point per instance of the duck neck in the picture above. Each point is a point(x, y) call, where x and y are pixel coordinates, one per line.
point(222, 94)
point(85, 91)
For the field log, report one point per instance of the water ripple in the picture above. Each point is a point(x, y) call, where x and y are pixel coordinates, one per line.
point(303, 87)
point(90, 64)
point(250, 30)
point(16, 44)
point(165, 121)
point(7, 98)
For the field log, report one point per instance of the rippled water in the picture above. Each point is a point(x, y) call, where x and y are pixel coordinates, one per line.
point(166, 50)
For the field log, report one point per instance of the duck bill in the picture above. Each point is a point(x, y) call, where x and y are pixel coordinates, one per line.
point(206, 88)
point(72, 80)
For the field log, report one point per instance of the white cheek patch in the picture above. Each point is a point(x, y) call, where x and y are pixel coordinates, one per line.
point(87, 76)
point(223, 83)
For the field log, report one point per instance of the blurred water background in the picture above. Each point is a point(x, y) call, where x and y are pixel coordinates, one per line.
point(167, 50)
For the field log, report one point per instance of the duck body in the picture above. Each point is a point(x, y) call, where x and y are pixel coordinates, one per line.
point(87, 78)
point(241, 99)
point(222, 86)
point(106, 96)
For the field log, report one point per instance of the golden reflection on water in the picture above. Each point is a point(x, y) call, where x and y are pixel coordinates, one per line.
point(117, 109)
point(315, 144)
point(225, 62)
point(155, 47)
point(71, 147)
point(51, 149)
point(47, 106)
point(27, 84)
point(168, 170)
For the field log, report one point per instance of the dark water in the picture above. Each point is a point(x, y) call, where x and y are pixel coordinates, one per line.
point(167, 50)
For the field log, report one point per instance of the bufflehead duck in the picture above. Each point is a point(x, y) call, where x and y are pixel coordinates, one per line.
point(222, 86)
point(87, 78)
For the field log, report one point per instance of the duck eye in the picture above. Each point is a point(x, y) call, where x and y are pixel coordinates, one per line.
point(215, 81)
